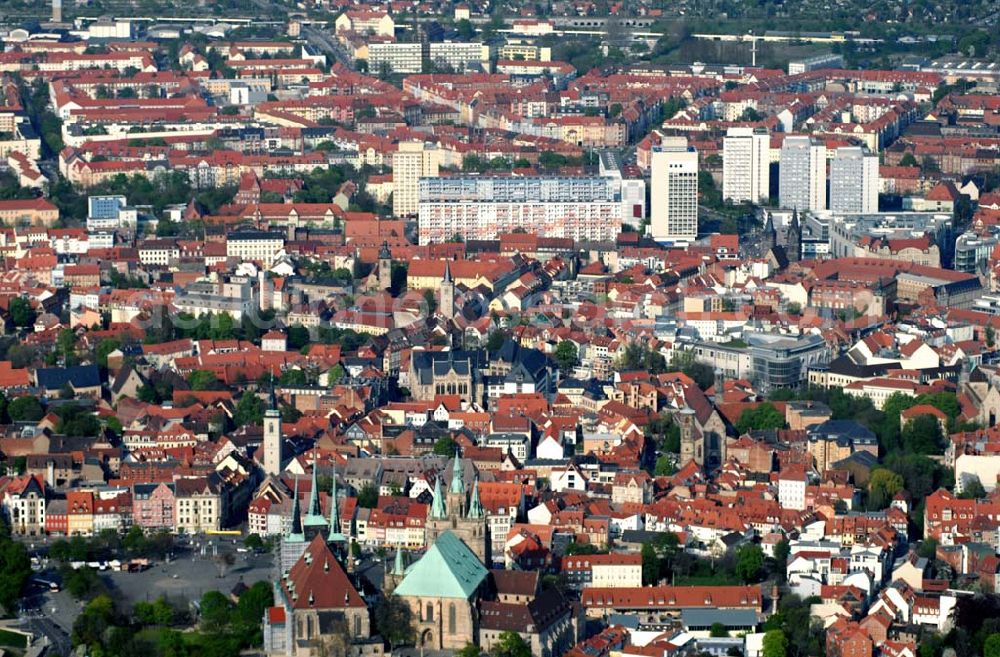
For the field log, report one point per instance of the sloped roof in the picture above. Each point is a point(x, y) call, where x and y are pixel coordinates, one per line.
point(317, 581)
point(449, 569)
point(80, 376)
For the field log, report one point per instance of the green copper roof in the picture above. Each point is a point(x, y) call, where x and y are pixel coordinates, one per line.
point(314, 515)
point(449, 569)
point(475, 505)
point(397, 566)
point(457, 486)
point(437, 505)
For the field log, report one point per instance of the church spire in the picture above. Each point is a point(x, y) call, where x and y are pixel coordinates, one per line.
point(437, 505)
point(447, 272)
point(314, 514)
point(475, 505)
point(457, 485)
point(397, 565)
point(295, 533)
point(334, 506)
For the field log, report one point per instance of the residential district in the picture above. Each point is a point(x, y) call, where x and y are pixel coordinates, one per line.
point(379, 329)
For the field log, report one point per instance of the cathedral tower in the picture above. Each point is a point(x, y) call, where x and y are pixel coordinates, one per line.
point(456, 513)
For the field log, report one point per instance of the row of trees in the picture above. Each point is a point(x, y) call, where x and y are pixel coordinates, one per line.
point(157, 628)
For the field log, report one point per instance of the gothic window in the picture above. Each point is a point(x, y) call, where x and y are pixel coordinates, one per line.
point(357, 625)
point(451, 618)
point(430, 613)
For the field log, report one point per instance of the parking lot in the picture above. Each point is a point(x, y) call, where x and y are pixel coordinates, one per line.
point(190, 575)
point(181, 579)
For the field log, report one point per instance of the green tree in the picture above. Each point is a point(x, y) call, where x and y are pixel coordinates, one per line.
point(882, 487)
point(105, 347)
point(922, 435)
point(94, 621)
point(445, 446)
point(293, 377)
point(298, 337)
point(664, 466)
point(21, 312)
point(650, 565)
point(15, 569)
point(466, 32)
point(25, 409)
point(250, 609)
point(718, 630)
point(991, 647)
point(775, 644)
point(368, 496)
point(566, 356)
point(394, 621)
point(495, 341)
point(289, 413)
point(249, 410)
point(83, 583)
point(214, 610)
point(470, 650)
point(702, 374)
point(749, 562)
point(66, 344)
point(764, 416)
point(781, 551)
point(636, 356)
point(908, 160)
point(204, 380)
point(510, 644)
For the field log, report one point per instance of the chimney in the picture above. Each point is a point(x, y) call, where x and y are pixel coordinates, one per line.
point(50, 473)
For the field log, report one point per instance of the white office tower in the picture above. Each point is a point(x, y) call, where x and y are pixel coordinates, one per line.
point(746, 166)
point(674, 191)
point(414, 160)
point(854, 180)
point(802, 174)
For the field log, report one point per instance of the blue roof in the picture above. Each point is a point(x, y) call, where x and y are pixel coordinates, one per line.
point(79, 376)
point(697, 618)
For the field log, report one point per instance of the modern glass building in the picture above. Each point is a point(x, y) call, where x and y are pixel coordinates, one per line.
point(781, 361)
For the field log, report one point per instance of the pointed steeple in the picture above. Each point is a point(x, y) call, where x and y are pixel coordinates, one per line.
point(447, 272)
point(295, 533)
point(437, 505)
point(475, 505)
point(314, 514)
point(334, 507)
point(457, 485)
point(397, 565)
point(272, 398)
